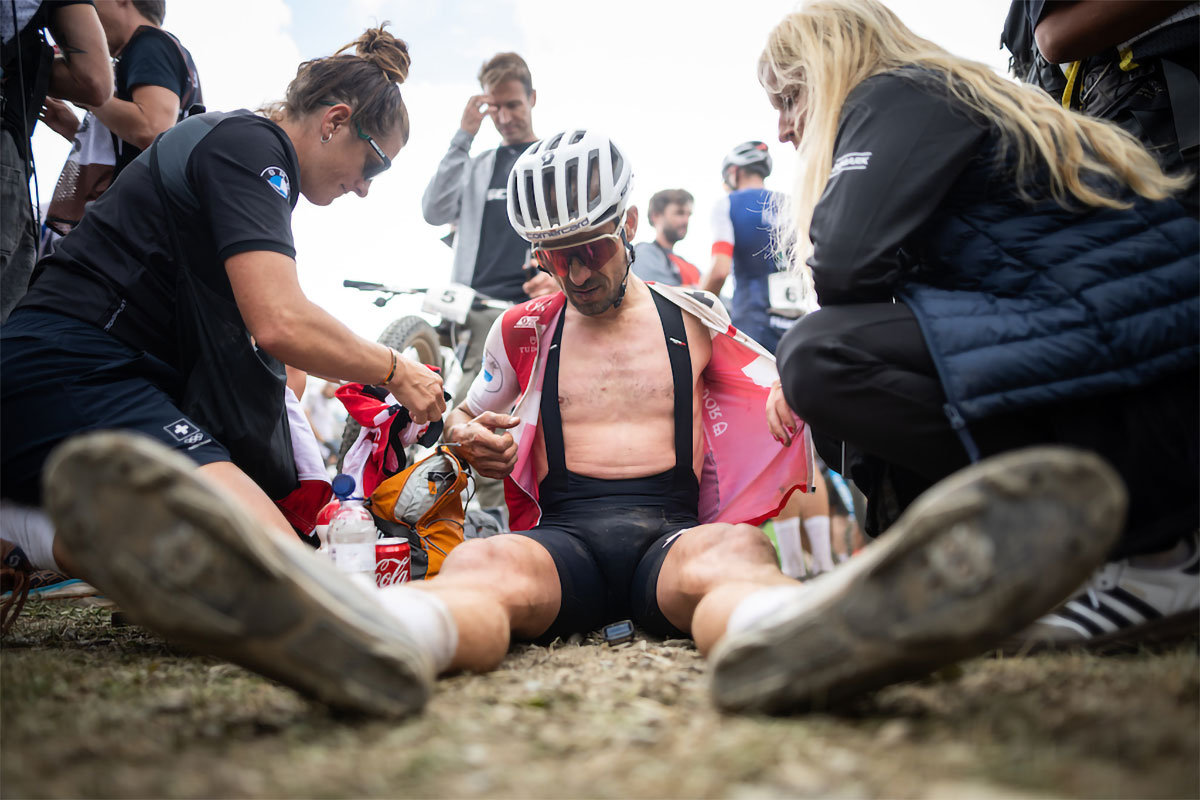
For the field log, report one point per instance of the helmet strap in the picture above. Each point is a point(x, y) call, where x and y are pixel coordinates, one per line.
point(629, 256)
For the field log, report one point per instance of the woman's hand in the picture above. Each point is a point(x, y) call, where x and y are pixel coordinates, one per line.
point(419, 389)
point(60, 118)
point(781, 420)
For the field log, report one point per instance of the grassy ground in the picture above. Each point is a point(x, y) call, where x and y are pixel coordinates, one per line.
point(92, 710)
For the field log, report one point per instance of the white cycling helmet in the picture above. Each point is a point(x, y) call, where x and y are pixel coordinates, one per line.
point(747, 154)
point(547, 198)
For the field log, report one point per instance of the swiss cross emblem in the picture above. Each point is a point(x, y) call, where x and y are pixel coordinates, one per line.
point(180, 429)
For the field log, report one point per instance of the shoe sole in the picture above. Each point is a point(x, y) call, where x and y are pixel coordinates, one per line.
point(183, 561)
point(978, 556)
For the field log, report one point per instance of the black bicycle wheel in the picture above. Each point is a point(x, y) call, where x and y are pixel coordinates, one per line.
point(409, 336)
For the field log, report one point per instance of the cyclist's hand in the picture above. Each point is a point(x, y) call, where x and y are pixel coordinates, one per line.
point(781, 420)
point(540, 284)
point(419, 389)
point(491, 454)
point(477, 108)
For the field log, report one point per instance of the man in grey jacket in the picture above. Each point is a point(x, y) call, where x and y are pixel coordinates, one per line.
point(471, 193)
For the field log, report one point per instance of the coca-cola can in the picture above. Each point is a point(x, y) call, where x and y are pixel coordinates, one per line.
point(391, 562)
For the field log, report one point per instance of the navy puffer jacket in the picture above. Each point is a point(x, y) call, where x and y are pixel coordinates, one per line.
point(1030, 305)
point(1020, 304)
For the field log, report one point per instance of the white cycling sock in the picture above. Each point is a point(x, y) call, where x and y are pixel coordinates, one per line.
point(31, 530)
point(817, 530)
point(427, 619)
point(765, 601)
point(791, 552)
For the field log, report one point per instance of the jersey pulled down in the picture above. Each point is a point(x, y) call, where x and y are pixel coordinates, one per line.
point(747, 474)
point(115, 270)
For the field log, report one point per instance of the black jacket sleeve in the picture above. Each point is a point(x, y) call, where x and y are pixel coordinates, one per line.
point(901, 144)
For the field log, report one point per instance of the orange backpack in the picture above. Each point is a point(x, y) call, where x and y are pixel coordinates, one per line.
point(426, 498)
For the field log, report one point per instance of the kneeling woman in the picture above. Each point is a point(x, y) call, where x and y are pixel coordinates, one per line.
point(993, 271)
point(153, 299)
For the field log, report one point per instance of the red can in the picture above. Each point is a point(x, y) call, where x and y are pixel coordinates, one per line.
point(391, 562)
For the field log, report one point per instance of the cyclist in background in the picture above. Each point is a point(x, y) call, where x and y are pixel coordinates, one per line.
point(669, 212)
point(743, 221)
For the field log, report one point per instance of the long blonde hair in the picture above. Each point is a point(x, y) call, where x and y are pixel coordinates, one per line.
point(829, 47)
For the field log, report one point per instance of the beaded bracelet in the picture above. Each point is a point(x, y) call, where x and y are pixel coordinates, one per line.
point(391, 372)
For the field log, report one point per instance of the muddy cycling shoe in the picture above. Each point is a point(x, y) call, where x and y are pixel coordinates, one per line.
point(183, 561)
point(976, 557)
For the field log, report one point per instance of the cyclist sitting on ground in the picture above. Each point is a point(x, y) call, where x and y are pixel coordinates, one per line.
point(629, 432)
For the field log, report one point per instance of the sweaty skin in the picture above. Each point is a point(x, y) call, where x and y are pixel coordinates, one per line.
point(615, 390)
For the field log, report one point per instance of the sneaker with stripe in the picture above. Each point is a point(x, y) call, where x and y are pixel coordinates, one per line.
point(1122, 607)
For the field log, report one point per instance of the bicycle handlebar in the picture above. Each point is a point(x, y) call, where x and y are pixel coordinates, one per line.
point(481, 301)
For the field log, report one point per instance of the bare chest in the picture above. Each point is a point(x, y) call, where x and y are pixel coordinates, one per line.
point(617, 377)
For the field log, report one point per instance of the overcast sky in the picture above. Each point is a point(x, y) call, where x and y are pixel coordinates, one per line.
point(672, 82)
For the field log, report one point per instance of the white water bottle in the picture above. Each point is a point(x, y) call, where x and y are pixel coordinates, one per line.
point(352, 534)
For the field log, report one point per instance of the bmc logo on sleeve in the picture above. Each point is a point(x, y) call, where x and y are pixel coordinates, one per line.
point(278, 180)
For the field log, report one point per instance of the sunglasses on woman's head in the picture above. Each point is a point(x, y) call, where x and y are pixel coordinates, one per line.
point(593, 254)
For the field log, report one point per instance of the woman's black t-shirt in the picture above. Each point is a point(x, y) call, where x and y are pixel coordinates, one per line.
point(116, 269)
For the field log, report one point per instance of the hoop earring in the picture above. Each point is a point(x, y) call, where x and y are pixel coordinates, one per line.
point(325, 139)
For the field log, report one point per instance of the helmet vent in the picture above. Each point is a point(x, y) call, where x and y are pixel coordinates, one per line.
point(551, 199)
point(513, 182)
point(593, 178)
point(573, 188)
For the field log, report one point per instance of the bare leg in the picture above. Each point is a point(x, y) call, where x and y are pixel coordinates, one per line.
point(230, 479)
point(708, 571)
point(495, 587)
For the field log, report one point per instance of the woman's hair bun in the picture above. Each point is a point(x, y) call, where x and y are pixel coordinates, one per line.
point(385, 51)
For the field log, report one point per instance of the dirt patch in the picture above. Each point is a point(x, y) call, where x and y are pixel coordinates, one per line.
point(89, 710)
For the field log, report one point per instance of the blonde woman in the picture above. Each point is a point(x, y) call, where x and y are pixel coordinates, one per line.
point(993, 271)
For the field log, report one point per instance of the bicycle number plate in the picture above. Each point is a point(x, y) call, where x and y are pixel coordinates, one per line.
point(452, 303)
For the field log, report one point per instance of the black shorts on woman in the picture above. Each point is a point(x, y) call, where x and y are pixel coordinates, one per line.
point(609, 538)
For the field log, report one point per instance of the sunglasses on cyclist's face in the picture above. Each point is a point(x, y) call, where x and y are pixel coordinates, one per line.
point(371, 169)
point(593, 254)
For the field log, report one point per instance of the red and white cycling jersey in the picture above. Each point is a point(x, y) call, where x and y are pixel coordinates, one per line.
point(747, 474)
